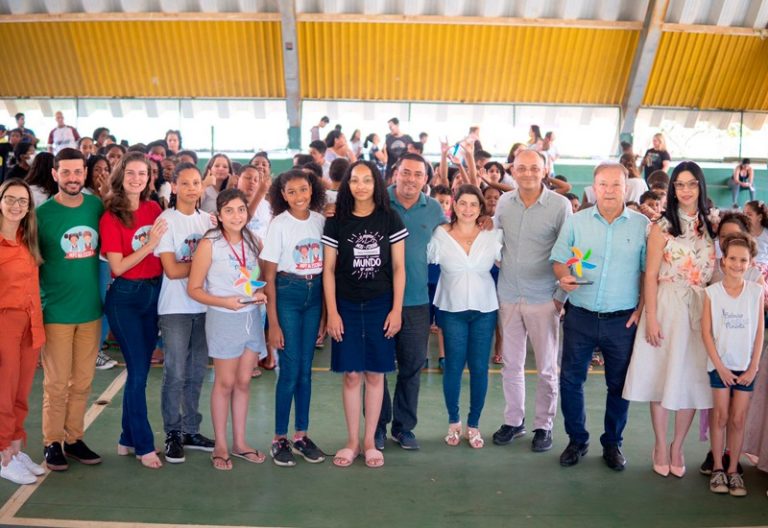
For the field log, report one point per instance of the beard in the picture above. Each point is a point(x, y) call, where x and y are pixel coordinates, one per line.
point(65, 190)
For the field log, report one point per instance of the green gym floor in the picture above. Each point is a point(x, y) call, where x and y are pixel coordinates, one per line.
point(437, 486)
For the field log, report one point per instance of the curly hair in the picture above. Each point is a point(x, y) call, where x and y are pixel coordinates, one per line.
point(278, 202)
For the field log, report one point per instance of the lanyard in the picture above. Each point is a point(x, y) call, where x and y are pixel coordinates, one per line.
point(240, 260)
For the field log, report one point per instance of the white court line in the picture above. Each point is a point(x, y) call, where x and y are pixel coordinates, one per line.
point(14, 504)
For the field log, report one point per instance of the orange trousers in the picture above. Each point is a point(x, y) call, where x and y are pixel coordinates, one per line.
point(18, 361)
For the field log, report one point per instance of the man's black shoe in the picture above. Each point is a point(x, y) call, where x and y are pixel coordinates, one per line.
point(54, 457)
point(614, 458)
point(174, 451)
point(573, 453)
point(80, 452)
point(507, 433)
point(198, 442)
point(542, 440)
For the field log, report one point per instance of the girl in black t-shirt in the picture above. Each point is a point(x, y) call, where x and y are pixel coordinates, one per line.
point(364, 283)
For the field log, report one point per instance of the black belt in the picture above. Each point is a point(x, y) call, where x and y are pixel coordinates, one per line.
point(300, 277)
point(604, 315)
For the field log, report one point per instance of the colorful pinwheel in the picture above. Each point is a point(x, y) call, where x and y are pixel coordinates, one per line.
point(251, 280)
point(579, 260)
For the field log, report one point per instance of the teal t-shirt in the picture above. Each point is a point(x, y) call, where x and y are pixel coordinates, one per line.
point(69, 276)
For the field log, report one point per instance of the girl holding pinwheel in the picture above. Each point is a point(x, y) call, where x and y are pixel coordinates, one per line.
point(225, 277)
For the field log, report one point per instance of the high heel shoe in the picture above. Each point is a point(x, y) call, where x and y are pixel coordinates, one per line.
point(677, 471)
point(659, 469)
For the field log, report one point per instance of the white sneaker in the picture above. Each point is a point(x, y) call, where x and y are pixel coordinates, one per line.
point(17, 473)
point(35, 469)
point(104, 362)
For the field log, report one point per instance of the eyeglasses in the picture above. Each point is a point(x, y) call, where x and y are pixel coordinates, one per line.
point(691, 185)
point(10, 201)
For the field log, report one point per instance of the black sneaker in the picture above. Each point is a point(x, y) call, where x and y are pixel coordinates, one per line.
point(80, 452)
point(54, 457)
point(380, 439)
point(281, 453)
point(573, 453)
point(197, 442)
point(307, 448)
point(507, 433)
point(174, 450)
point(707, 465)
point(542, 440)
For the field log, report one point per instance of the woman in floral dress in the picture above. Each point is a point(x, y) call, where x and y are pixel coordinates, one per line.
point(669, 362)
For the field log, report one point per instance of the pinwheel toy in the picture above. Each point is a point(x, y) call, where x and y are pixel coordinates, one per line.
point(579, 261)
point(250, 280)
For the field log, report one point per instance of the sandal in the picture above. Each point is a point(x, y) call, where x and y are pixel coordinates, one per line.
point(374, 458)
point(453, 438)
point(150, 460)
point(224, 464)
point(474, 438)
point(344, 457)
point(497, 359)
point(254, 457)
point(256, 373)
point(268, 363)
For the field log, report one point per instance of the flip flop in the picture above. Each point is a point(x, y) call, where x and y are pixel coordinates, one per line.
point(260, 457)
point(226, 460)
point(344, 457)
point(374, 458)
point(256, 373)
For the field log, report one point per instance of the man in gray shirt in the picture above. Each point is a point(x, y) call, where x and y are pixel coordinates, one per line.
point(529, 304)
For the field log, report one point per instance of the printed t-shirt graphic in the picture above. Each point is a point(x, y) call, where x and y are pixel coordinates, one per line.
point(80, 242)
point(366, 250)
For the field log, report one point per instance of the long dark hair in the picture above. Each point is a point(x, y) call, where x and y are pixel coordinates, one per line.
point(761, 209)
point(345, 202)
point(280, 205)
point(40, 173)
point(210, 163)
point(467, 189)
point(116, 200)
point(672, 202)
point(90, 165)
point(224, 197)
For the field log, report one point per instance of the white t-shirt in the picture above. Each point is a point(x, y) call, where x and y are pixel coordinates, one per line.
point(295, 244)
point(181, 238)
point(330, 196)
point(635, 189)
point(260, 221)
point(762, 247)
point(734, 324)
point(208, 203)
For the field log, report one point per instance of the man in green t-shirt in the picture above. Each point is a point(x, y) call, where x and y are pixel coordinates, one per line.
point(69, 281)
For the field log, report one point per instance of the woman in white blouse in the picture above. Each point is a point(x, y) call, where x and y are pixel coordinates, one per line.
point(467, 306)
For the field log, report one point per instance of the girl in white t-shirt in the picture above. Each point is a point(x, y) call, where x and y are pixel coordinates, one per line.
point(225, 276)
point(732, 329)
point(293, 267)
point(182, 320)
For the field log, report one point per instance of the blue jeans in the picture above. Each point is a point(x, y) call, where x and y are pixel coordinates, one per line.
point(105, 277)
point(582, 332)
point(736, 190)
point(131, 309)
point(299, 307)
point(468, 336)
point(184, 368)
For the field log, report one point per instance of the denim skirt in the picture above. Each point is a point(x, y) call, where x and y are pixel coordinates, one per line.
point(363, 347)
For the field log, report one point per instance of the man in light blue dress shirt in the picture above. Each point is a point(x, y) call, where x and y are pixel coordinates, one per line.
point(605, 245)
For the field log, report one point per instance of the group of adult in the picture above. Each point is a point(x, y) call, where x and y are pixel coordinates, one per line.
point(204, 275)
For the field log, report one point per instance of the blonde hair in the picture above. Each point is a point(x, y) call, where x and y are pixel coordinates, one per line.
point(29, 222)
point(662, 141)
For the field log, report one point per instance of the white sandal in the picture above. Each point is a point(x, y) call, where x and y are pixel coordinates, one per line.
point(453, 438)
point(474, 438)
